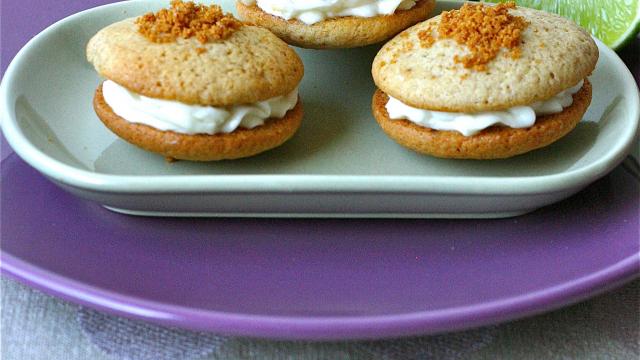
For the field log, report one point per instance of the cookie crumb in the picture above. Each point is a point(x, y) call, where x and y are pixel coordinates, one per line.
point(201, 50)
point(186, 20)
point(484, 30)
point(426, 39)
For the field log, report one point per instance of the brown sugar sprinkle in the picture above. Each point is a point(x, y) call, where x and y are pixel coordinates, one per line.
point(484, 30)
point(186, 20)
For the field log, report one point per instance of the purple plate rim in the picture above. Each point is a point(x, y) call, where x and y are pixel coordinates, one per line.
point(323, 328)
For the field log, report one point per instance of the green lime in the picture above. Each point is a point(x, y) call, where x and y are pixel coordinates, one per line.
point(615, 22)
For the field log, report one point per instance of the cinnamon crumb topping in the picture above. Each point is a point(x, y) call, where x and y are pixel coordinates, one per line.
point(187, 20)
point(484, 30)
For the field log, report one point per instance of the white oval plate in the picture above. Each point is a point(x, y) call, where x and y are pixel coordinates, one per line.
point(339, 164)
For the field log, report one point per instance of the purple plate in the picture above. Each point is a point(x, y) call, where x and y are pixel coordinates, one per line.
point(318, 279)
point(309, 279)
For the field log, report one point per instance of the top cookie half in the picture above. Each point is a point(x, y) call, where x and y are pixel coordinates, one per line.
point(423, 69)
point(249, 66)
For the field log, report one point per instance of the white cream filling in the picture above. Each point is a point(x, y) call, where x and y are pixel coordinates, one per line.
point(313, 11)
point(167, 115)
point(470, 124)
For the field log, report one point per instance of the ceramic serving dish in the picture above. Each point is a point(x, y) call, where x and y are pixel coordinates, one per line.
point(340, 164)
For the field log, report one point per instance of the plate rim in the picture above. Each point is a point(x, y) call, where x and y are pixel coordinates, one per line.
point(324, 328)
point(472, 185)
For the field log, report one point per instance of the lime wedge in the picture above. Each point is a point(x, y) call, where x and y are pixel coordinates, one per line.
point(615, 22)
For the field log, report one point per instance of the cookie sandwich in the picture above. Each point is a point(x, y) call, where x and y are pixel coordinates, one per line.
point(322, 24)
point(193, 83)
point(484, 82)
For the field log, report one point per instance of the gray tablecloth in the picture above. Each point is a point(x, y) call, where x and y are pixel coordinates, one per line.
point(36, 326)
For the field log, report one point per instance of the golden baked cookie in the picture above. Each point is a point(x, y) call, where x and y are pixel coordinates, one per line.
point(201, 147)
point(496, 142)
point(190, 82)
point(484, 82)
point(418, 67)
point(341, 32)
point(250, 65)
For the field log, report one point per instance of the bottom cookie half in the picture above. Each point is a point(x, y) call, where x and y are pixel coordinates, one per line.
point(342, 32)
point(201, 147)
point(496, 142)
